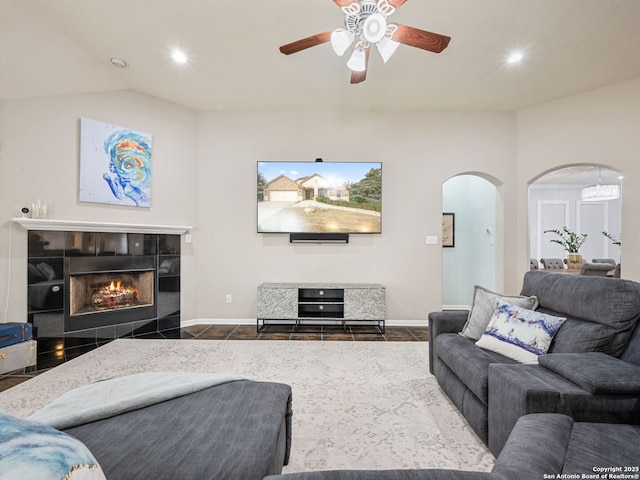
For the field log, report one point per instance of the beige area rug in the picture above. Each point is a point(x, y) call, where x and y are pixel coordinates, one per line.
point(356, 405)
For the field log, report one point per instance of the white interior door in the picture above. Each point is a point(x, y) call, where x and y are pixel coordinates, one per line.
point(593, 219)
point(552, 215)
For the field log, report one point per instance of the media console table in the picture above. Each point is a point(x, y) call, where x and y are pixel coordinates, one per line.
point(321, 304)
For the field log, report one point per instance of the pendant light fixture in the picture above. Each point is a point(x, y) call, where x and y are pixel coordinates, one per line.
point(599, 192)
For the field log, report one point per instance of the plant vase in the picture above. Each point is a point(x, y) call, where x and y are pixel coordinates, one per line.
point(574, 261)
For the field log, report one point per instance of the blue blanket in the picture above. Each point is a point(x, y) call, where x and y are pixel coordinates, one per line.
point(111, 397)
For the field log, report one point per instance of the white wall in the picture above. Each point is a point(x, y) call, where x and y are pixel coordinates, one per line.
point(419, 152)
point(597, 127)
point(39, 158)
point(473, 259)
point(204, 175)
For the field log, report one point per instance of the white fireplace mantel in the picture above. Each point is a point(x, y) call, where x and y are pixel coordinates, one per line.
point(86, 226)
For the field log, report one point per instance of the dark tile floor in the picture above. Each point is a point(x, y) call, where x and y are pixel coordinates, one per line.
point(269, 332)
point(320, 333)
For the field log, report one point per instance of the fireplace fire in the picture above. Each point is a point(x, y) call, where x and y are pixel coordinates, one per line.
point(114, 295)
point(97, 292)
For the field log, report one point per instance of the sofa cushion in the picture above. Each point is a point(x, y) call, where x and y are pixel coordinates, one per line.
point(468, 362)
point(484, 304)
point(519, 333)
point(581, 336)
point(595, 446)
point(596, 372)
point(601, 312)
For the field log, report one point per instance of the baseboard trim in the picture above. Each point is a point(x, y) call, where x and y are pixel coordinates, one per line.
point(252, 321)
point(456, 307)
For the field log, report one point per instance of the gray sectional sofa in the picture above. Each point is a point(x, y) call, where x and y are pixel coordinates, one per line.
point(590, 373)
point(575, 413)
point(540, 444)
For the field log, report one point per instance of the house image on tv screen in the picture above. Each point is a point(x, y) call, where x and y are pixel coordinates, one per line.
point(283, 189)
point(306, 197)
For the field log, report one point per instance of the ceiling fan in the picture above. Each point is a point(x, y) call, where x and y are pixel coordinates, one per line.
point(366, 24)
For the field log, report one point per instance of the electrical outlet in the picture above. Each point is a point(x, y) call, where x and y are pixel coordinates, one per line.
point(432, 240)
point(228, 298)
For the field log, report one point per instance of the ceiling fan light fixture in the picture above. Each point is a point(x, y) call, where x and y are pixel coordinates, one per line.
point(375, 28)
point(358, 61)
point(366, 24)
point(341, 40)
point(386, 48)
point(385, 8)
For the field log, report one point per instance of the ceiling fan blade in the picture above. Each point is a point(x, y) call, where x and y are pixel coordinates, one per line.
point(397, 3)
point(307, 42)
point(344, 3)
point(421, 39)
point(359, 77)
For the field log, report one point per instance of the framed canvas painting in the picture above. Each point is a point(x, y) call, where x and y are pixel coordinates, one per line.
point(448, 230)
point(115, 164)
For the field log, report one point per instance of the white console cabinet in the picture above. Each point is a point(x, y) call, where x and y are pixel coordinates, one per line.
point(321, 303)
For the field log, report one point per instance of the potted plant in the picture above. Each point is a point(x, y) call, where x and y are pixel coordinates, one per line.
point(571, 242)
point(614, 240)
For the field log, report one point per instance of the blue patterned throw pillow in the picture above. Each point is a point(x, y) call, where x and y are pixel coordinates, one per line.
point(34, 451)
point(518, 333)
point(484, 304)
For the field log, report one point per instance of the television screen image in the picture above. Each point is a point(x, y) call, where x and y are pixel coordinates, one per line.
point(319, 197)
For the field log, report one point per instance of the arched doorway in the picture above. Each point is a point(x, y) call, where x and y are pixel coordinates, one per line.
point(555, 201)
point(472, 258)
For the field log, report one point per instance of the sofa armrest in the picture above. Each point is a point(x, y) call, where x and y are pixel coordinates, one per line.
point(517, 390)
point(450, 321)
point(537, 446)
point(596, 372)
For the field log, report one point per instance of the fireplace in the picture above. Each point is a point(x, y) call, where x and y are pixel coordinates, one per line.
point(107, 291)
point(99, 292)
point(125, 284)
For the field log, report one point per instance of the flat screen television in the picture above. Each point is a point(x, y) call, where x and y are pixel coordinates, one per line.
point(319, 197)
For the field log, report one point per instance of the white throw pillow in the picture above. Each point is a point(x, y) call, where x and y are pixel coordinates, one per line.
point(484, 304)
point(518, 333)
point(34, 451)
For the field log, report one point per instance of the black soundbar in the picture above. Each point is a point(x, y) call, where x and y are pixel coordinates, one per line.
point(319, 238)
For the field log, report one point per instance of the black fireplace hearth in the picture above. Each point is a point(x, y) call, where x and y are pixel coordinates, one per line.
point(86, 289)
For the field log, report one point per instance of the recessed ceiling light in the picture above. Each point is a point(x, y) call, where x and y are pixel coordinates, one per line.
point(119, 62)
point(179, 56)
point(515, 57)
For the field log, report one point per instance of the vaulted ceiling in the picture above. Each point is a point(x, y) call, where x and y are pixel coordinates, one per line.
point(64, 46)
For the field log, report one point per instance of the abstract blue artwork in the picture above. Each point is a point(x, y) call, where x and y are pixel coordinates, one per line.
point(115, 164)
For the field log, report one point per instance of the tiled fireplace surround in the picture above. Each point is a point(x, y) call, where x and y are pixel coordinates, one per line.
point(56, 255)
